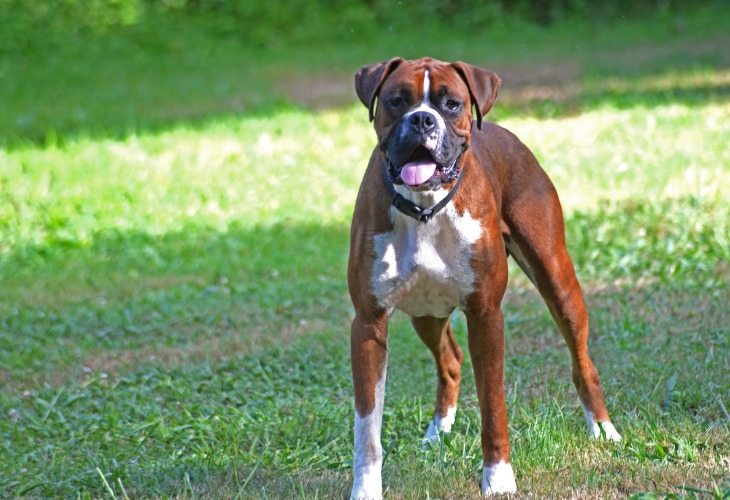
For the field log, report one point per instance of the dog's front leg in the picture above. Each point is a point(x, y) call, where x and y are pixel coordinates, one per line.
point(369, 355)
point(486, 347)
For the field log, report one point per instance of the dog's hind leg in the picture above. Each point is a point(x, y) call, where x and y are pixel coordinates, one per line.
point(437, 335)
point(536, 240)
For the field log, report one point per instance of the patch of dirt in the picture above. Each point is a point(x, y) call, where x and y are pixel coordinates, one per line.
point(520, 84)
point(526, 83)
point(114, 363)
point(319, 91)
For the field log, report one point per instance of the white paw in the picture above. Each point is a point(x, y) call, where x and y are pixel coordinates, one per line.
point(437, 426)
point(367, 462)
point(498, 478)
point(431, 437)
point(599, 429)
point(368, 486)
point(609, 431)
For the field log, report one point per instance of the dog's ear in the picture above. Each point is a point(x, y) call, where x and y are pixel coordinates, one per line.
point(370, 78)
point(483, 87)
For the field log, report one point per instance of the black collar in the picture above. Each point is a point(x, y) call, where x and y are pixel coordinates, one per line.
point(406, 206)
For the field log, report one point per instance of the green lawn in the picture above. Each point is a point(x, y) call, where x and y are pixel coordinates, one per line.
point(174, 319)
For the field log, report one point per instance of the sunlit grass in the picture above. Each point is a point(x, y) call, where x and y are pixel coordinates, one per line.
point(300, 167)
point(644, 152)
point(251, 171)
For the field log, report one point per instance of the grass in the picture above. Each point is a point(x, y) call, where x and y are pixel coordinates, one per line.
point(173, 309)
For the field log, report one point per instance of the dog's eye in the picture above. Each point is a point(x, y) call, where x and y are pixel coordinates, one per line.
point(453, 105)
point(395, 101)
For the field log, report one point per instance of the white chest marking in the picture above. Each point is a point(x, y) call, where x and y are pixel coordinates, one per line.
point(424, 269)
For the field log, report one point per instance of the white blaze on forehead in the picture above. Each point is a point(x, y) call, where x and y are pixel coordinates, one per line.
point(426, 87)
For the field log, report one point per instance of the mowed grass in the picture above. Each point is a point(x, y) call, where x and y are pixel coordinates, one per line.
point(174, 318)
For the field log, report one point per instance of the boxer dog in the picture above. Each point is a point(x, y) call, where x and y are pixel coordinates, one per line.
point(445, 199)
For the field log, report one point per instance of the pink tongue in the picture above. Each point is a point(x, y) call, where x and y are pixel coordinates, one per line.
point(417, 172)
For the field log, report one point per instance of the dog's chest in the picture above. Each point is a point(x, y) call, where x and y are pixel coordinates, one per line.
point(425, 269)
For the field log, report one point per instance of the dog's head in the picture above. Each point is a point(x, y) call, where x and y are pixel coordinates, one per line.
point(423, 115)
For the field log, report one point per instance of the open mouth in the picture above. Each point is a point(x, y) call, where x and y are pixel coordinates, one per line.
point(419, 168)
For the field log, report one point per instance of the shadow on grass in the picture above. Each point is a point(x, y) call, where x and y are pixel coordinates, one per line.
point(201, 294)
point(194, 294)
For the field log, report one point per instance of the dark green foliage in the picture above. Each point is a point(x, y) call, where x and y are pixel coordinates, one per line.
point(27, 23)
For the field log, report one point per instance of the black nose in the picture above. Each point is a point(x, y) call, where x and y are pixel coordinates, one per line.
point(422, 122)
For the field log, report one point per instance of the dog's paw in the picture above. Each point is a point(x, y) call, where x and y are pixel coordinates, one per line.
point(600, 430)
point(367, 488)
point(438, 426)
point(432, 438)
point(604, 430)
point(498, 478)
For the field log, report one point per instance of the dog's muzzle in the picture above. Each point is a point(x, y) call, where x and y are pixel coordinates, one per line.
point(420, 155)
